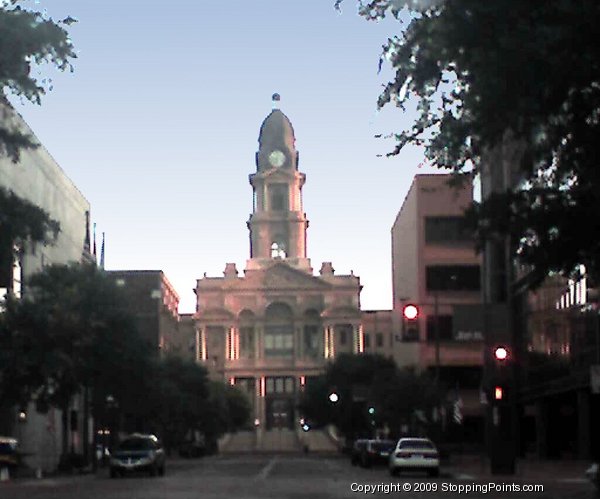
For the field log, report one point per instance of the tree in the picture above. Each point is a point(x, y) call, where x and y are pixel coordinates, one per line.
point(479, 72)
point(21, 222)
point(69, 334)
point(364, 382)
point(28, 39)
point(175, 398)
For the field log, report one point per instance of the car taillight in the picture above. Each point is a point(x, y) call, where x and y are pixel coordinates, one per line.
point(402, 453)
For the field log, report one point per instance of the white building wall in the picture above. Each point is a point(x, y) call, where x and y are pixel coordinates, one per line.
point(40, 180)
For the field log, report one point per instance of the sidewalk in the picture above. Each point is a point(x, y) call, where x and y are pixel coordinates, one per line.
point(472, 467)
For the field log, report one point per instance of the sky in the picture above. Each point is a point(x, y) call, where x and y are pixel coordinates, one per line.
point(158, 127)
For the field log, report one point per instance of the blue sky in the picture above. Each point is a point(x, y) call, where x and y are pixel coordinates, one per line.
point(158, 126)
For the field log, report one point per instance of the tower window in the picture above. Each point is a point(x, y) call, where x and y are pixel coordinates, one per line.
point(278, 197)
point(278, 250)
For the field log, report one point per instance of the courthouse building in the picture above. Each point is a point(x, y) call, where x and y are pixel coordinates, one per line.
point(273, 328)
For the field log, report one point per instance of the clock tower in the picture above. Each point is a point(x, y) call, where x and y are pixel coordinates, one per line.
point(278, 223)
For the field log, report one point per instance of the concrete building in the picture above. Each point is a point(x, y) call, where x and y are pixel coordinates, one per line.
point(378, 331)
point(154, 304)
point(38, 179)
point(436, 268)
point(558, 379)
point(271, 329)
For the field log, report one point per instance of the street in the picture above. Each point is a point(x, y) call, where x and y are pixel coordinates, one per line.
point(282, 476)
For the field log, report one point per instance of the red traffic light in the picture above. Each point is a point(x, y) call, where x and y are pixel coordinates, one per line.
point(498, 393)
point(410, 312)
point(500, 353)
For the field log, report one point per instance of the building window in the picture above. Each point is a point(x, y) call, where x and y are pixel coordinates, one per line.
point(343, 337)
point(444, 324)
point(278, 250)
point(247, 342)
point(278, 197)
point(453, 278)
point(280, 385)
point(279, 331)
point(447, 230)
point(312, 341)
point(367, 340)
point(344, 333)
point(379, 340)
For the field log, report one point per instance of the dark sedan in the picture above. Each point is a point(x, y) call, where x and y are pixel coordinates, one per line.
point(138, 453)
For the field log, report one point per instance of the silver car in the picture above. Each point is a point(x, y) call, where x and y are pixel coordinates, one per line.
point(416, 454)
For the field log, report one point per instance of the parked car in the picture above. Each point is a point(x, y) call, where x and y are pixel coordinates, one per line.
point(357, 449)
point(138, 452)
point(9, 453)
point(593, 475)
point(376, 452)
point(418, 454)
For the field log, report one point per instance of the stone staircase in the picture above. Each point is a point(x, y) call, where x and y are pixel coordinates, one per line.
point(241, 441)
point(318, 441)
point(279, 440)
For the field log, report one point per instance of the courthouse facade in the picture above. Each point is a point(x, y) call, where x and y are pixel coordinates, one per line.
point(272, 329)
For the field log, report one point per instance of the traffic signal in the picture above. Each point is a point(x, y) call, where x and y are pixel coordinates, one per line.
point(410, 322)
point(410, 312)
point(501, 354)
point(371, 410)
point(501, 372)
point(498, 393)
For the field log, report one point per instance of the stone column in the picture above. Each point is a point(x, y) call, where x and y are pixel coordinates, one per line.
point(198, 346)
point(260, 337)
point(298, 344)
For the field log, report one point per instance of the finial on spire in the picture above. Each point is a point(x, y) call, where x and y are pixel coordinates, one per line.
point(275, 100)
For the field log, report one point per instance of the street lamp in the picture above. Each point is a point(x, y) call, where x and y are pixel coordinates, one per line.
point(334, 397)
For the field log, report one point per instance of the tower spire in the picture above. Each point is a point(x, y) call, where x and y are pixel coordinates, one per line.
point(275, 98)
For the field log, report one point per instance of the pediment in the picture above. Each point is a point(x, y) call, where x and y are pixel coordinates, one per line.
point(281, 276)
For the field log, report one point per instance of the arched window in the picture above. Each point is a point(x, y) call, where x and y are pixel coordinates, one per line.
point(279, 331)
point(313, 335)
point(247, 335)
point(278, 250)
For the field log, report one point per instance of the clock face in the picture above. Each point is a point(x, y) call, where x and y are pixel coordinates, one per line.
point(276, 158)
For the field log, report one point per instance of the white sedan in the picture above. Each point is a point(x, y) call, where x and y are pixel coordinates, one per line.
point(418, 454)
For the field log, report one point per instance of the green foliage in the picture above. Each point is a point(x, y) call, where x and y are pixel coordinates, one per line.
point(227, 409)
point(72, 331)
point(363, 381)
point(487, 76)
point(22, 222)
point(28, 39)
point(175, 393)
point(69, 332)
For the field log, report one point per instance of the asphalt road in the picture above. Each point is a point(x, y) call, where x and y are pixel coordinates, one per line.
point(264, 476)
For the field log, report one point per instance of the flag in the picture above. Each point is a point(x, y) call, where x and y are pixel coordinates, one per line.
point(94, 251)
point(102, 253)
point(457, 407)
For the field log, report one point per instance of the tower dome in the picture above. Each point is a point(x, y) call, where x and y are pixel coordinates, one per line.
point(276, 135)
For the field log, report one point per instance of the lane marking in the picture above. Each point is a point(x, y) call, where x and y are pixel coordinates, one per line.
point(264, 473)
